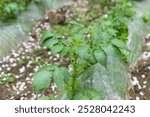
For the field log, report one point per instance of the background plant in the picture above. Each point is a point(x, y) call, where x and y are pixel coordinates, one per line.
point(9, 9)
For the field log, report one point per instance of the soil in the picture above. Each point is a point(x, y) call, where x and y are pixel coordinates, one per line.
point(140, 75)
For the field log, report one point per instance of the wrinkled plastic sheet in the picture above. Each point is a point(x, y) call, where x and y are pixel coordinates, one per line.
point(14, 32)
point(112, 82)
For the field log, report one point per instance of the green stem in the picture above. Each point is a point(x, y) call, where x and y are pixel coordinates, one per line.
point(74, 78)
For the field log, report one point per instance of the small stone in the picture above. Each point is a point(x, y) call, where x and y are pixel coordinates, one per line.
point(144, 86)
point(12, 97)
point(144, 82)
point(17, 76)
point(15, 54)
point(14, 65)
point(25, 87)
point(21, 88)
point(11, 60)
point(137, 98)
point(141, 93)
point(3, 66)
point(2, 73)
point(8, 69)
point(30, 74)
point(22, 98)
point(21, 70)
point(18, 92)
point(143, 76)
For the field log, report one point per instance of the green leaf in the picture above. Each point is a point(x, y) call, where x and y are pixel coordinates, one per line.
point(112, 31)
point(119, 43)
point(82, 50)
point(42, 80)
point(46, 35)
point(10, 79)
point(90, 58)
point(50, 42)
point(80, 96)
point(101, 57)
point(65, 74)
point(57, 48)
point(58, 76)
point(65, 51)
point(93, 94)
point(113, 51)
point(47, 67)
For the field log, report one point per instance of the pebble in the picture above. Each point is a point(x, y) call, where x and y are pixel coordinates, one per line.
point(22, 98)
point(17, 92)
point(143, 76)
point(8, 69)
point(17, 76)
point(18, 84)
point(144, 86)
point(12, 97)
point(25, 87)
point(144, 82)
point(137, 98)
point(30, 74)
point(15, 54)
point(136, 82)
point(3, 66)
point(18, 59)
point(21, 70)
point(2, 73)
point(31, 39)
point(14, 65)
point(11, 60)
point(21, 88)
point(28, 92)
point(14, 88)
point(27, 78)
point(141, 93)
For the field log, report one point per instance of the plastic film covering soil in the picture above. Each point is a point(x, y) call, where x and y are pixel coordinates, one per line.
point(14, 32)
point(111, 82)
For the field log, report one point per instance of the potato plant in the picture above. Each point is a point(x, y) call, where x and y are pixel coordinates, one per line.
point(83, 44)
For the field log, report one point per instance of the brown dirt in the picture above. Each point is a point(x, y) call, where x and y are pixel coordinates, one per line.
point(141, 71)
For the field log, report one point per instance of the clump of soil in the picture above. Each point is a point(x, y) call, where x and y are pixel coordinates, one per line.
point(140, 75)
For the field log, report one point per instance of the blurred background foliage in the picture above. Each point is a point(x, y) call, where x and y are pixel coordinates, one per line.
point(9, 9)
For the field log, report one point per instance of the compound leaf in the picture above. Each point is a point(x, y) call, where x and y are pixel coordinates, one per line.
point(57, 48)
point(101, 57)
point(119, 43)
point(45, 35)
point(82, 50)
point(42, 80)
point(50, 42)
point(113, 51)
